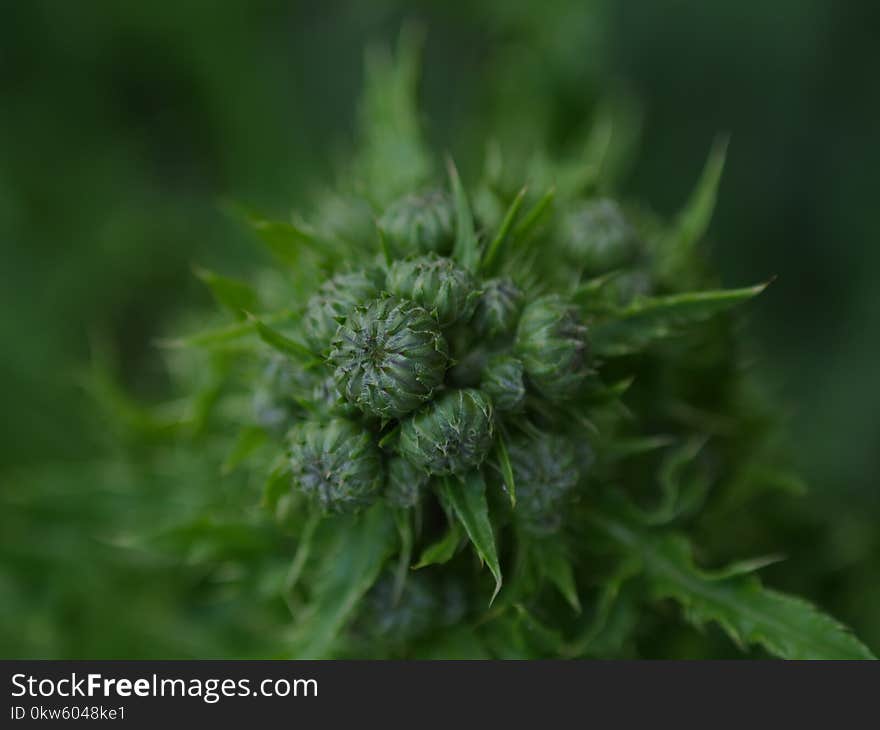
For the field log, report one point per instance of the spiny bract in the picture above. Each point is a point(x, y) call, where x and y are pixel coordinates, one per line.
point(437, 284)
point(552, 343)
point(332, 304)
point(420, 223)
point(336, 464)
point(504, 382)
point(498, 308)
point(451, 435)
point(389, 357)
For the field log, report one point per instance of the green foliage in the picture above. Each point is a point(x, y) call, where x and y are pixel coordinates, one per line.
point(351, 558)
point(393, 160)
point(562, 414)
point(733, 597)
point(468, 501)
point(649, 320)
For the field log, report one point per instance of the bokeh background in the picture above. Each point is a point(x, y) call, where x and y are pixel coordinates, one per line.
point(123, 125)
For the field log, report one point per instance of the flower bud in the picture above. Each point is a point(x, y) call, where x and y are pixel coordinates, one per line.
point(336, 464)
point(435, 283)
point(503, 382)
point(552, 343)
point(497, 309)
point(545, 472)
point(420, 223)
point(451, 435)
point(598, 236)
point(389, 356)
point(332, 303)
point(405, 483)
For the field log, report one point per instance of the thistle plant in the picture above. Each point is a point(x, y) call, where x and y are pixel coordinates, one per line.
point(494, 421)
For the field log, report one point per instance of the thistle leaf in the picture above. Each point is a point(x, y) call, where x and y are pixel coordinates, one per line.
point(236, 296)
point(624, 448)
point(748, 612)
point(405, 532)
point(285, 241)
point(497, 245)
point(250, 439)
point(677, 246)
point(224, 336)
point(301, 556)
point(276, 486)
point(393, 159)
point(530, 220)
point(556, 566)
point(441, 551)
point(680, 492)
point(283, 344)
point(613, 617)
point(648, 320)
point(465, 251)
point(467, 496)
point(350, 566)
point(506, 468)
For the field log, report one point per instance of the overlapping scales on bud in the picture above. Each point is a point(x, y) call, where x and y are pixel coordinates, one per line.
point(405, 483)
point(552, 343)
point(451, 435)
point(498, 308)
point(545, 471)
point(336, 464)
point(438, 284)
point(504, 382)
point(389, 357)
point(420, 223)
point(597, 236)
point(333, 302)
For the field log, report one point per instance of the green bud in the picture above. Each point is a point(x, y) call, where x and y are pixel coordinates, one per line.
point(389, 356)
point(332, 303)
point(435, 283)
point(497, 308)
point(405, 483)
point(420, 223)
point(545, 472)
point(451, 435)
point(503, 382)
point(336, 464)
point(598, 236)
point(552, 343)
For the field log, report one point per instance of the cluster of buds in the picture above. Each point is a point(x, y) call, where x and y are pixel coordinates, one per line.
point(515, 370)
point(422, 363)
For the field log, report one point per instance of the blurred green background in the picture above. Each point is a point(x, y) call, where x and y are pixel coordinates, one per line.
point(123, 125)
